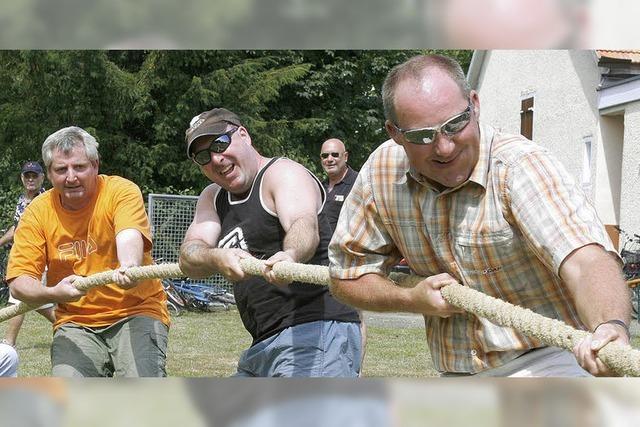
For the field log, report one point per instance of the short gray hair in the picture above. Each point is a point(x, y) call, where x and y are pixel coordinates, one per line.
point(414, 68)
point(65, 140)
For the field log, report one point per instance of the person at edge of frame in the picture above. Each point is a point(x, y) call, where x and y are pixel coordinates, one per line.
point(462, 202)
point(86, 224)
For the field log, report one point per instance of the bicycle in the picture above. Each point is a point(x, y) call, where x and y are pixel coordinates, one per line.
point(630, 254)
point(197, 296)
point(175, 303)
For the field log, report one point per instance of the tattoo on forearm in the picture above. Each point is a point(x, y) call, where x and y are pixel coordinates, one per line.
point(193, 249)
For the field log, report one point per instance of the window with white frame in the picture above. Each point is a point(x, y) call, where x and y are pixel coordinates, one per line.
point(586, 160)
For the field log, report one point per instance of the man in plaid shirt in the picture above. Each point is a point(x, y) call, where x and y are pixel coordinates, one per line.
point(462, 202)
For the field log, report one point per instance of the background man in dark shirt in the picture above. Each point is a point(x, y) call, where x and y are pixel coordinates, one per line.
point(340, 178)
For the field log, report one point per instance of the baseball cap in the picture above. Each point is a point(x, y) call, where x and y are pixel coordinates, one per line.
point(32, 167)
point(212, 122)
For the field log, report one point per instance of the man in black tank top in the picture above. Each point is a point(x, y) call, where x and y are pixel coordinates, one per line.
point(269, 209)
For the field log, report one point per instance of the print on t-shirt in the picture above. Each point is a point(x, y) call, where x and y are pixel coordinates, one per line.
point(78, 249)
point(234, 239)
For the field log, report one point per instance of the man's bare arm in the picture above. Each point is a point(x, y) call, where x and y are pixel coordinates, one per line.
point(293, 194)
point(600, 294)
point(295, 197)
point(377, 293)
point(7, 237)
point(30, 290)
point(199, 256)
point(302, 238)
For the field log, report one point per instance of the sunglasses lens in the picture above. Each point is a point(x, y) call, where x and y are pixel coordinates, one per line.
point(420, 136)
point(324, 155)
point(456, 124)
point(449, 128)
point(220, 144)
point(219, 147)
point(202, 157)
point(223, 139)
point(335, 155)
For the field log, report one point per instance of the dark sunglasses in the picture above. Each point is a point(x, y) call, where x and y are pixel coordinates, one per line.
point(218, 145)
point(325, 155)
point(425, 136)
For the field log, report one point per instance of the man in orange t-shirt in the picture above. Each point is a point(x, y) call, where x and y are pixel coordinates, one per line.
point(88, 223)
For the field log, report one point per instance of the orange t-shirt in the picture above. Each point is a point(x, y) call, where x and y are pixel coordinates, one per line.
point(83, 242)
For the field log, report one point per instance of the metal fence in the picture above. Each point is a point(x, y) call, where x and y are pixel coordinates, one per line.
point(170, 216)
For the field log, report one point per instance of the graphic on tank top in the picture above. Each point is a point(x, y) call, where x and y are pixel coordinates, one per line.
point(234, 240)
point(246, 223)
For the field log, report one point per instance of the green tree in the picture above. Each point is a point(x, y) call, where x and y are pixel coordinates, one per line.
point(139, 103)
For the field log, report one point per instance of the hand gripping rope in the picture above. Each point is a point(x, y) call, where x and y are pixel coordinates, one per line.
point(623, 360)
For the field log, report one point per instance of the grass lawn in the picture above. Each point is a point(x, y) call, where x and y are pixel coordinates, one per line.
point(209, 345)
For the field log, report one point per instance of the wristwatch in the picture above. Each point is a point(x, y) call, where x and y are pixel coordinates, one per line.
point(616, 322)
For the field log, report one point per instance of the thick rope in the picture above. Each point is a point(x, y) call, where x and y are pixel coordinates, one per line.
point(99, 279)
point(621, 359)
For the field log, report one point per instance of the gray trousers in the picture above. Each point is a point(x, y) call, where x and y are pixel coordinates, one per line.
point(134, 347)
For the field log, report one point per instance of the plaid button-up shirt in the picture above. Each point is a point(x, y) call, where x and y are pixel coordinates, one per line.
point(504, 232)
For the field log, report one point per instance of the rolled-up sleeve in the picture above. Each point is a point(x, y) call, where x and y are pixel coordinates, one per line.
point(551, 210)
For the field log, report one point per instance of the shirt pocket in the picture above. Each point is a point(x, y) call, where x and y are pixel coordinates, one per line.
point(414, 243)
point(491, 260)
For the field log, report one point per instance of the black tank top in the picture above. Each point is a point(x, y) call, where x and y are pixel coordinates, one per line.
point(266, 309)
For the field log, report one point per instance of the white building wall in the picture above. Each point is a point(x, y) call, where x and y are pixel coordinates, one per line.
point(563, 84)
point(630, 198)
point(608, 162)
